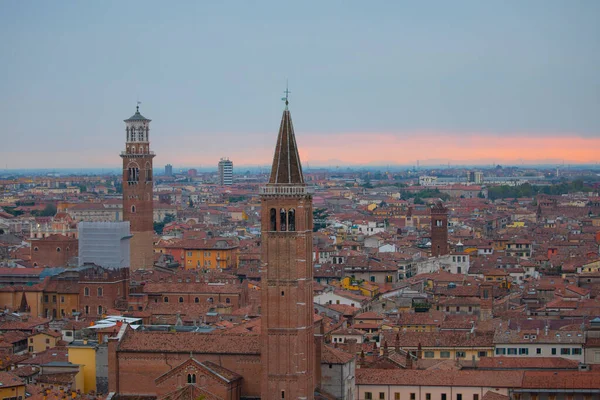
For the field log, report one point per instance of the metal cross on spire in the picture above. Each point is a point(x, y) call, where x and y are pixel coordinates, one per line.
point(287, 93)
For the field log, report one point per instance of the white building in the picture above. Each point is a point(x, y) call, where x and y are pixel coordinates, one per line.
point(104, 243)
point(225, 172)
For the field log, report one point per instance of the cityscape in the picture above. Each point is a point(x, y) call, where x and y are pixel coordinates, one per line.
point(453, 256)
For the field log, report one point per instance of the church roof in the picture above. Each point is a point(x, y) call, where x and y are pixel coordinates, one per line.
point(137, 116)
point(286, 168)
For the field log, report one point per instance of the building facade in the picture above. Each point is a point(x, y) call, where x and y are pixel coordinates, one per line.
point(225, 172)
point(439, 230)
point(137, 190)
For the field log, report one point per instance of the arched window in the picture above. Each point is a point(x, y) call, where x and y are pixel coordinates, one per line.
point(133, 209)
point(191, 378)
point(132, 133)
point(87, 310)
point(282, 220)
point(291, 220)
point(196, 300)
point(133, 173)
point(35, 249)
point(227, 300)
point(166, 299)
point(210, 300)
point(99, 292)
point(58, 249)
point(127, 130)
point(99, 310)
point(181, 299)
point(273, 219)
point(86, 291)
point(140, 135)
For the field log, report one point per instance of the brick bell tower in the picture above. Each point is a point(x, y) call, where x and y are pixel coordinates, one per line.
point(287, 334)
point(439, 230)
point(137, 190)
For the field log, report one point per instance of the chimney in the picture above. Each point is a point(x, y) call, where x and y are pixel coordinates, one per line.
point(385, 349)
point(397, 343)
point(409, 360)
point(361, 360)
point(352, 346)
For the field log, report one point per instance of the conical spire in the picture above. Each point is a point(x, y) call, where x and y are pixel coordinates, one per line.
point(286, 169)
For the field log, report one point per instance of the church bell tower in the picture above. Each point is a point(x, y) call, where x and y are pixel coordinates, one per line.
point(287, 334)
point(137, 190)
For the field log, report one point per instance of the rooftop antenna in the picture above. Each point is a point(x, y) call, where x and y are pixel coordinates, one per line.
point(287, 93)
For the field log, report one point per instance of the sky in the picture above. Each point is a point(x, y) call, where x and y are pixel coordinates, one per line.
point(372, 83)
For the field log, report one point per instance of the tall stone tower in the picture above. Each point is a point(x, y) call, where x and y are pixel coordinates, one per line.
point(137, 190)
point(439, 230)
point(287, 334)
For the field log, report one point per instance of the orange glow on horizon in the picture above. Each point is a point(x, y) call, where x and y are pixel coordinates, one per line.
point(405, 149)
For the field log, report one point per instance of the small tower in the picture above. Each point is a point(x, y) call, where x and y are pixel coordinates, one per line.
point(287, 330)
point(439, 229)
point(137, 190)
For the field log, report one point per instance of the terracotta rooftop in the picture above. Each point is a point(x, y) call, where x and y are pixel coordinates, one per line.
point(504, 379)
point(332, 355)
point(185, 342)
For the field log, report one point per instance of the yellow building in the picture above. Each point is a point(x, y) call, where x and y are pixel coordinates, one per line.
point(593, 266)
point(28, 300)
point(211, 255)
point(12, 387)
point(84, 354)
point(365, 288)
point(43, 341)
point(516, 224)
point(442, 345)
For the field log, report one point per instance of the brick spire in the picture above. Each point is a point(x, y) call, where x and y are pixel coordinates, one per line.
point(286, 169)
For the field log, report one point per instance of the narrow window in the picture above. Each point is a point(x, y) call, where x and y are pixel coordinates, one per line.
point(99, 292)
point(291, 220)
point(210, 300)
point(133, 209)
point(227, 300)
point(282, 220)
point(273, 219)
point(86, 291)
point(166, 299)
point(196, 300)
point(99, 310)
point(181, 299)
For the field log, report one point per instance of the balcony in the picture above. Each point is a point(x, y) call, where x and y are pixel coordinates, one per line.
point(285, 190)
point(149, 153)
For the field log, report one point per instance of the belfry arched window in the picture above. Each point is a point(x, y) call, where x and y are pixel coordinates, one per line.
point(132, 134)
point(141, 134)
point(291, 220)
point(283, 220)
point(273, 220)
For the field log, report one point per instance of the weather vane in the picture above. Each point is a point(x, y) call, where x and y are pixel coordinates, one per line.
point(287, 92)
point(137, 107)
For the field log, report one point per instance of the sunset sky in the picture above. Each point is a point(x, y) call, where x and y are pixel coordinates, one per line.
point(373, 83)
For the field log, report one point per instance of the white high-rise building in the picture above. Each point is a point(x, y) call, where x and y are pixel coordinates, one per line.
point(225, 172)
